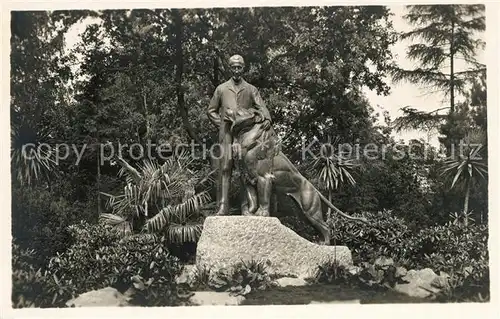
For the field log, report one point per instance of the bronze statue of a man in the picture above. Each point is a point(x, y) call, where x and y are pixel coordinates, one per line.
point(231, 95)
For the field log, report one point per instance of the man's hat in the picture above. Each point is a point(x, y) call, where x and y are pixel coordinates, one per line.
point(236, 59)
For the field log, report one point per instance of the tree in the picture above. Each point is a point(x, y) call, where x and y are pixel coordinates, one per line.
point(39, 74)
point(161, 198)
point(149, 74)
point(469, 168)
point(333, 169)
point(449, 34)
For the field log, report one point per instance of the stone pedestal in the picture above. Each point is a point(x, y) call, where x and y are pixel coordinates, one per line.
point(227, 240)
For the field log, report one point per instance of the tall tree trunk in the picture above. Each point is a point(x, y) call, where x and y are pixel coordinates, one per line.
point(466, 204)
point(98, 161)
point(146, 116)
point(451, 118)
point(452, 68)
point(98, 183)
point(179, 58)
point(215, 78)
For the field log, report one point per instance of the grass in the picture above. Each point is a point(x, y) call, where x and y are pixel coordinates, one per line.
point(326, 293)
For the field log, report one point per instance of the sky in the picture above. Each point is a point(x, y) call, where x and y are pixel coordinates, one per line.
point(402, 94)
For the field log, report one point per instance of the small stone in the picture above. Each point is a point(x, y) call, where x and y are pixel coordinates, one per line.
point(106, 297)
point(467, 271)
point(373, 272)
point(426, 274)
point(418, 283)
point(439, 282)
point(288, 281)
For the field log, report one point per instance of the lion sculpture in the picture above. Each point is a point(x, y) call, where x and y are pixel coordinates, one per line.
point(268, 172)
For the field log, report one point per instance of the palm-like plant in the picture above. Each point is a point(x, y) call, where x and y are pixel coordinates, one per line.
point(29, 162)
point(161, 198)
point(333, 170)
point(469, 167)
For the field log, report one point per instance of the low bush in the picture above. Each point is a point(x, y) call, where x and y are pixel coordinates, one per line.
point(461, 251)
point(100, 257)
point(367, 275)
point(31, 287)
point(384, 235)
point(301, 226)
point(241, 279)
point(40, 221)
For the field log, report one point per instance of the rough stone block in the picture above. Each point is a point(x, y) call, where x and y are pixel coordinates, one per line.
point(227, 240)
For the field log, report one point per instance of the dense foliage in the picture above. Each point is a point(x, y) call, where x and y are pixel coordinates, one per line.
point(101, 257)
point(140, 78)
point(454, 248)
point(240, 279)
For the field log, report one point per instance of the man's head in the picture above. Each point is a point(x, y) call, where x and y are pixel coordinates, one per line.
point(236, 64)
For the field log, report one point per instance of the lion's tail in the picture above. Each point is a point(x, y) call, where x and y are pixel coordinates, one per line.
point(329, 204)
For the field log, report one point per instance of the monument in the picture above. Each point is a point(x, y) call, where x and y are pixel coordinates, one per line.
point(246, 135)
point(232, 95)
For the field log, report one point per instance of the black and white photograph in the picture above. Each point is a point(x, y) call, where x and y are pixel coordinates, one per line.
point(243, 156)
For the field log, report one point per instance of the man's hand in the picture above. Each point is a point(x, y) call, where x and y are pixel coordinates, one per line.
point(266, 123)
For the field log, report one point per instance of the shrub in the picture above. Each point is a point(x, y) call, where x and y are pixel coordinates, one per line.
point(384, 235)
point(461, 251)
point(100, 257)
point(201, 278)
point(450, 247)
point(332, 272)
point(31, 287)
point(241, 279)
point(365, 276)
point(301, 226)
point(40, 220)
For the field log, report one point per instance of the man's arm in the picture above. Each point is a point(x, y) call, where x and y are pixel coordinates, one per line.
point(213, 108)
point(259, 102)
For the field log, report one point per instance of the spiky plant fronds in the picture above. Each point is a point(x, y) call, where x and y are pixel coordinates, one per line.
point(333, 169)
point(29, 161)
point(165, 195)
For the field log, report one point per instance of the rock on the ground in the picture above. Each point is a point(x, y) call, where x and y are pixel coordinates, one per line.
point(227, 240)
point(213, 298)
point(418, 283)
point(106, 297)
point(439, 282)
point(289, 281)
